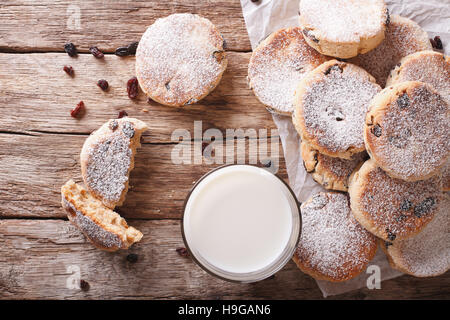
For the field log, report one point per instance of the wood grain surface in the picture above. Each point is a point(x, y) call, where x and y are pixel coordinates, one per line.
point(40, 251)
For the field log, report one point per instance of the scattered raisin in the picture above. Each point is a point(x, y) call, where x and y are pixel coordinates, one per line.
point(424, 207)
point(224, 43)
point(96, 52)
point(267, 163)
point(167, 85)
point(406, 205)
point(77, 110)
point(390, 235)
point(103, 84)
point(132, 258)
point(437, 43)
point(133, 88)
point(128, 50)
point(376, 130)
point(182, 252)
point(70, 49)
point(309, 34)
point(388, 17)
point(403, 101)
point(333, 68)
point(387, 243)
point(128, 129)
point(113, 125)
point(122, 114)
point(190, 101)
point(254, 1)
point(69, 70)
point(84, 285)
point(218, 55)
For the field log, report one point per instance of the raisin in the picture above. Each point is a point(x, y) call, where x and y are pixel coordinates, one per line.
point(224, 43)
point(128, 129)
point(122, 114)
point(309, 34)
point(437, 43)
point(388, 17)
point(376, 130)
point(424, 207)
point(333, 68)
point(266, 163)
point(167, 85)
point(132, 258)
point(254, 1)
point(69, 70)
point(403, 101)
point(387, 243)
point(190, 101)
point(390, 235)
point(77, 110)
point(132, 47)
point(70, 49)
point(406, 205)
point(218, 55)
point(84, 285)
point(113, 125)
point(128, 50)
point(96, 52)
point(103, 84)
point(182, 251)
point(133, 88)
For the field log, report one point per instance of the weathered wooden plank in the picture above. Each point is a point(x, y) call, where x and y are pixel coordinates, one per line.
point(35, 167)
point(108, 25)
point(39, 259)
point(36, 95)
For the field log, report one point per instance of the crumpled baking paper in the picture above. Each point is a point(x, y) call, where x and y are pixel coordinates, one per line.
point(266, 16)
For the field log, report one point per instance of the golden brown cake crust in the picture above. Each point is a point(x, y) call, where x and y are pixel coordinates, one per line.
point(333, 246)
point(180, 59)
point(343, 28)
point(332, 173)
point(102, 226)
point(277, 65)
point(407, 131)
point(107, 158)
point(330, 106)
point(428, 253)
point(392, 209)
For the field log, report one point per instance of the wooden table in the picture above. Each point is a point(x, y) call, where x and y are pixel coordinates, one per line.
point(41, 253)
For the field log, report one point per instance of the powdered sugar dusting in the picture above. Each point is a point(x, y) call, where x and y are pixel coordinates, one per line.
point(344, 20)
point(180, 58)
point(428, 253)
point(278, 65)
point(402, 37)
point(93, 231)
point(395, 207)
point(342, 168)
point(335, 104)
point(108, 164)
point(414, 137)
point(427, 66)
point(332, 242)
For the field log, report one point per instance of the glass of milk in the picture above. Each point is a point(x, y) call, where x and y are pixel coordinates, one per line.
point(241, 223)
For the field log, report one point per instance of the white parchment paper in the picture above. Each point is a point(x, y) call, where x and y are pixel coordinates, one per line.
point(266, 16)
